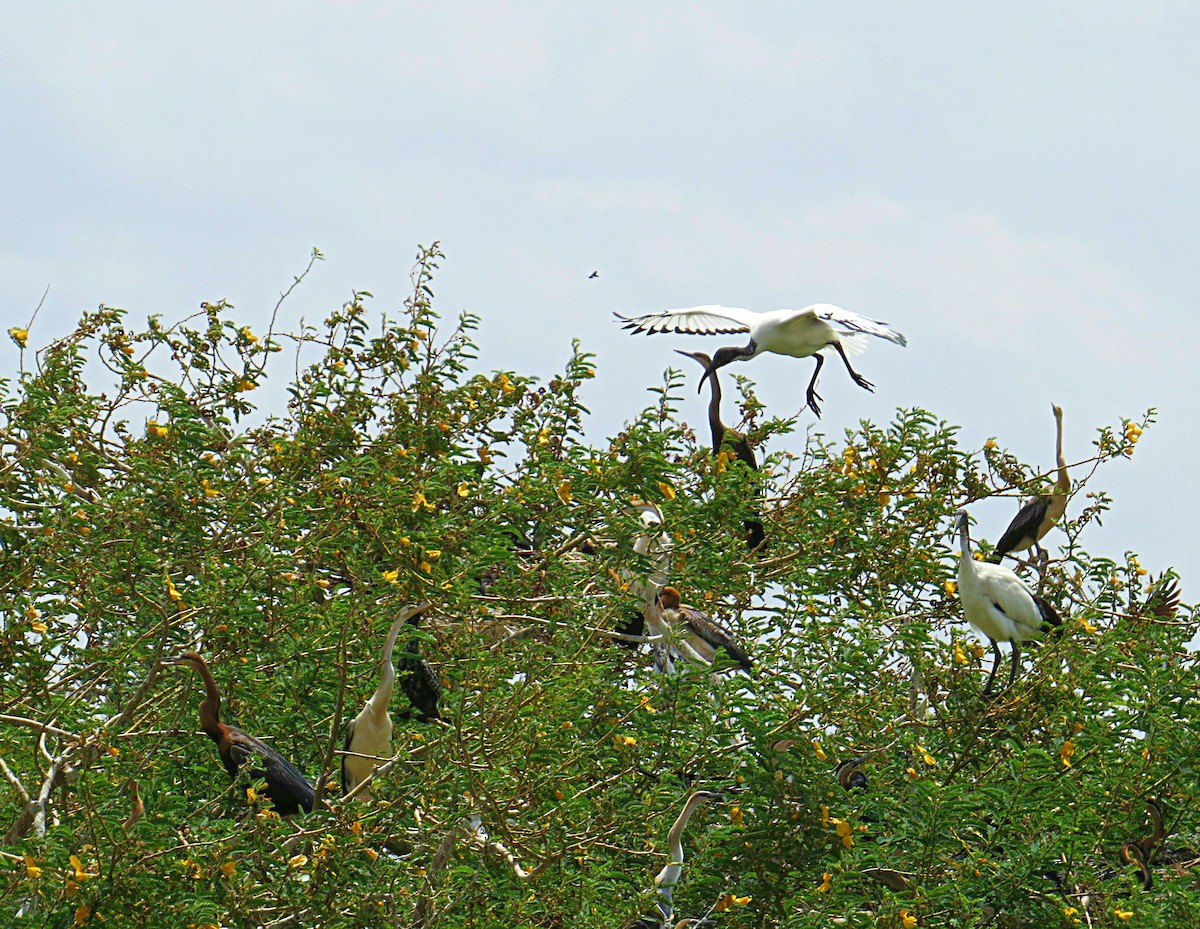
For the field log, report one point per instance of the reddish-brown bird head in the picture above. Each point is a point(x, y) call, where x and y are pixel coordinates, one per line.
point(669, 598)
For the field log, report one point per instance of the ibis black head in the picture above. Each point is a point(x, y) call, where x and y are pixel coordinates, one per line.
point(722, 358)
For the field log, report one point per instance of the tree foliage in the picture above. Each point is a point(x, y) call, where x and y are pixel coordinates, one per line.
point(150, 507)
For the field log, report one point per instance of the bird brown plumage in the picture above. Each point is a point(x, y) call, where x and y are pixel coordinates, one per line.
point(703, 635)
point(287, 788)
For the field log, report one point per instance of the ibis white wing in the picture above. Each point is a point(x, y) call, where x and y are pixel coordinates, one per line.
point(851, 324)
point(1009, 593)
point(694, 320)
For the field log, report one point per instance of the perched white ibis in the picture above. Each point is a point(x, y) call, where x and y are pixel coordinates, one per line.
point(997, 603)
point(370, 732)
point(668, 877)
point(1039, 515)
point(656, 545)
point(696, 634)
point(799, 333)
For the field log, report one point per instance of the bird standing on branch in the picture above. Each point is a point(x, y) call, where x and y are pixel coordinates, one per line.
point(696, 634)
point(1039, 515)
point(370, 732)
point(724, 438)
point(997, 603)
point(287, 788)
point(799, 333)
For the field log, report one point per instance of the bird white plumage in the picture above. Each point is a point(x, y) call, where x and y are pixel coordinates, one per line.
point(798, 333)
point(370, 732)
point(668, 877)
point(998, 604)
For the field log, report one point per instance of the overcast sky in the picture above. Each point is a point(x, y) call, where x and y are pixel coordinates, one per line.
point(1014, 186)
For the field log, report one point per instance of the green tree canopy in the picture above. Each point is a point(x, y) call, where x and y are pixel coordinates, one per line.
point(149, 507)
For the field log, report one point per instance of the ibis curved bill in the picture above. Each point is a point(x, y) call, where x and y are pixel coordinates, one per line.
point(799, 333)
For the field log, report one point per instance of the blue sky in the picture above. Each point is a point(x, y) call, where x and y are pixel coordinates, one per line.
point(1013, 186)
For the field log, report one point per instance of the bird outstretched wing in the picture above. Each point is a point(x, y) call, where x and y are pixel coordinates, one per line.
point(849, 323)
point(694, 320)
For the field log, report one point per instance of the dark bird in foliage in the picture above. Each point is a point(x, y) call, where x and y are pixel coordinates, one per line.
point(850, 774)
point(287, 788)
point(1140, 852)
point(664, 908)
point(370, 732)
point(1038, 516)
point(1162, 600)
point(725, 438)
point(696, 634)
point(799, 333)
point(997, 603)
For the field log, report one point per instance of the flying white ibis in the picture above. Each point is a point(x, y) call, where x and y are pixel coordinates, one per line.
point(370, 732)
point(668, 877)
point(997, 603)
point(799, 333)
point(696, 634)
point(1039, 515)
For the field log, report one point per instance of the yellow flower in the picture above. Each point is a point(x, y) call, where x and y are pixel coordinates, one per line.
point(845, 831)
point(564, 492)
point(960, 657)
point(826, 883)
point(80, 874)
point(951, 588)
point(1065, 753)
point(907, 920)
point(82, 914)
point(19, 335)
point(39, 627)
point(1087, 627)
point(247, 335)
point(926, 757)
point(820, 752)
point(464, 489)
point(371, 853)
point(1123, 914)
point(730, 900)
point(297, 861)
point(251, 795)
point(735, 815)
point(667, 490)
point(229, 868)
point(31, 868)
point(990, 443)
point(392, 577)
point(156, 429)
point(912, 773)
